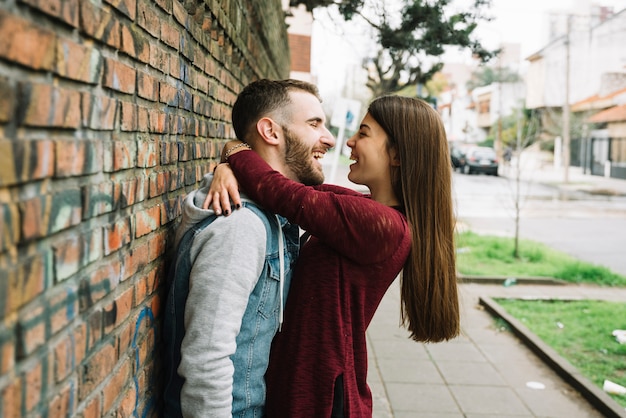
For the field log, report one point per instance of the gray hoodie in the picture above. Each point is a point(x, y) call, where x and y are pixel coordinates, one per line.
point(219, 287)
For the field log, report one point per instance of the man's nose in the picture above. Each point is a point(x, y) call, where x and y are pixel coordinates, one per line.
point(328, 138)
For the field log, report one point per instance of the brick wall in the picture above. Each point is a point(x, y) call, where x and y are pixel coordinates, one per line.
point(110, 112)
point(300, 47)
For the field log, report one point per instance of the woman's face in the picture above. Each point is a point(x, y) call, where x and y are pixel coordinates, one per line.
point(372, 162)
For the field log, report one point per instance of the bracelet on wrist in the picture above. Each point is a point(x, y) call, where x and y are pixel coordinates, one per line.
point(236, 147)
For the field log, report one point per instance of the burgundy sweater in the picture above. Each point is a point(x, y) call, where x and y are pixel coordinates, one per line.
point(357, 248)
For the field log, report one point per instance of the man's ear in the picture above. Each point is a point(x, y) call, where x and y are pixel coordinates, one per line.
point(268, 130)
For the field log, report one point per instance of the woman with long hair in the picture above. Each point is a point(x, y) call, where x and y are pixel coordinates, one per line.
point(358, 245)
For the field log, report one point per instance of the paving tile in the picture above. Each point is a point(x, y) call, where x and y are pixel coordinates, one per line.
point(470, 373)
point(556, 403)
point(420, 399)
point(398, 348)
point(402, 370)
point(451, 352)
point(495, 400)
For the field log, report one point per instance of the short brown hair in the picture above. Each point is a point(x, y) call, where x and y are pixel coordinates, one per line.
point(262, 97)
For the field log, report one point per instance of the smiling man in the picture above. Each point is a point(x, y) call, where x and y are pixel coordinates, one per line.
point(232, 273)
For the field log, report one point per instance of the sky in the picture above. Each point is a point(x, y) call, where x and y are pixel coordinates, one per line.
point(336, 50)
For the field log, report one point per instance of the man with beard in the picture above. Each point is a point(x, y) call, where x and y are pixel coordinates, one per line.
point(231, 274)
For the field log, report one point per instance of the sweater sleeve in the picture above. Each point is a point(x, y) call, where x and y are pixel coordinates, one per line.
point(350, 223)
point(220, 284)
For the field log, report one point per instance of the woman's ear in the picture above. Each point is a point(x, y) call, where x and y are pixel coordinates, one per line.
point(268, 130)
point(394, 157)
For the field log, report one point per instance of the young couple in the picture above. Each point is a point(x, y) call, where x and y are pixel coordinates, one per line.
point(227, 297)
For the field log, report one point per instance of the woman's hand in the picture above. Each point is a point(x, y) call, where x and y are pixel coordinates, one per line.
point(224, 187)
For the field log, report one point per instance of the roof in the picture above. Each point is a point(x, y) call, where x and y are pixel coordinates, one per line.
point(598, 102)
point(614, 114)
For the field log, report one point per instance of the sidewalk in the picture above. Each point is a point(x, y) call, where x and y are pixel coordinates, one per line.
point(486, 372)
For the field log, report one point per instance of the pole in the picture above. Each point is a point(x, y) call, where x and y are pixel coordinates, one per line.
point(566, 108)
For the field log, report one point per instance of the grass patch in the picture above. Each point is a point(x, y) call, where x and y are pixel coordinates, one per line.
point(581, 332)
point(486, 255)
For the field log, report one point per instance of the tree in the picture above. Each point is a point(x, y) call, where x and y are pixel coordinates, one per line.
point(486, 75)
point(521, 132)
point(410, 42)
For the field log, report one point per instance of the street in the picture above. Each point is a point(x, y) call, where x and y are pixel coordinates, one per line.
point(591, 228)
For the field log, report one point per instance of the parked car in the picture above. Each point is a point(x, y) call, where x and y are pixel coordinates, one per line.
point(458, 158)
point(481, 160)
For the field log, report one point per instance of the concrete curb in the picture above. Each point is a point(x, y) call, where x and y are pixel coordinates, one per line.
point(462, 278)
point(598, 398)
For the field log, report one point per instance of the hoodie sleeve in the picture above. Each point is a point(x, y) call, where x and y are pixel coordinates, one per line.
point(221, 281)
point(345, 220)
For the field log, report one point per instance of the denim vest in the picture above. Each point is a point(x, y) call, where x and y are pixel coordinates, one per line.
point(259, 325)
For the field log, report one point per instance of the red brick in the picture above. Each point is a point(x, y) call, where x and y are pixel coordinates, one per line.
point(22, 283)
point(127, 405)
point(66, 208)
point(63, 305)
point(157, 244)
point(23, 161)
point(65, 10)
point(121, 307)
point(96, 370)
point(78, 62)
point(98, 112)
point(79, 341)
point(99, 284)
point(129, 117)
point(147, 221)
point(92, 408)
point(127, 190)
point(62, 405)
point(100, 24)
point(47, 106)
point(35, 214)
point(26, 44)
point(94, 329)
point(156, 305)
point(9, 227)
point(157, 184)
point(159, 59)
point(7, 347)
point(98, 199)
point(68, 256)
point(7, 100)
point(147, 86)
point(136, 260)
point(148, 18)
point(124, 155)
point(119, 76)
point(76, 158)
point(114, 386)
point(11, 398)
point(175, 67)
point(168, 94)
point(116, 235)
point(165, 5)
point(142, 119)
point(127, 7)
point(147, 153)
point(135, 44)
point(62, 354)
point(170, 34)
point(32, 333)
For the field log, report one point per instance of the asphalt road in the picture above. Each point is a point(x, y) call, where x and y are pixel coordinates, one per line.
point(591, 228)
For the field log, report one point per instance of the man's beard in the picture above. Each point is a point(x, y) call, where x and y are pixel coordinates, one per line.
point(299, 160)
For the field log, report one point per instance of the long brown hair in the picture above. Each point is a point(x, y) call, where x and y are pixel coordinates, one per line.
point(423, 183)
